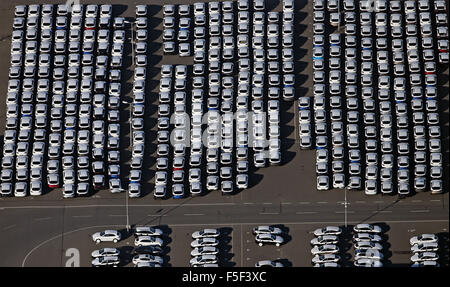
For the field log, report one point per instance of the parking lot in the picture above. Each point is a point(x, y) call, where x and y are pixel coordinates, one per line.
point(238, 248)
point(296, 172)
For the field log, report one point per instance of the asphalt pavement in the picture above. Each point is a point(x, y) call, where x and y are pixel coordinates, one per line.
point(38, 231)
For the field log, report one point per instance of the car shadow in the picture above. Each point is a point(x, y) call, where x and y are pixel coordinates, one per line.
point(225, 256)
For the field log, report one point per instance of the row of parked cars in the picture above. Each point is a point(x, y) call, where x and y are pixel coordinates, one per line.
point(425, 248)
point(147, 253)
point(137, 106)
point(368, 245)
point(325, 247)
point(384, 95)
point(78, 82)
point(205, 251)
point(366, 242)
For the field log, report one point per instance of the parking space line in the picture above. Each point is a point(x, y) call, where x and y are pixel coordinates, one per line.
point(193, 214)
point(9, 227)
point(435, 200)
point(157, 215)
point(267, 203)
point(304, 202)
point(42, 218)
point(81, 216)
point(422, 210)
point(339, 212)
point(382, 211)
point(248, 203)
point(322, 202)
point(286, 203)
point(242, 248)
point(269, 213)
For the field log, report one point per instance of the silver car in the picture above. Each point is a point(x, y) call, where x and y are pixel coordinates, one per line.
point(105, 252)
point(203, 242)
point(329, 230)
point(206, 233)
point(367, 228)
point(423, 239)
point(107, 236)
point(424, 256)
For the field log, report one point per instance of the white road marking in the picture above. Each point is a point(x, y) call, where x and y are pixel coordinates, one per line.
point(382, 211)
point(304, 202)
point(422, 210)
point(9, 227)
point(113, 205)
point(157, 215)
point(242, 248)
point(193, 214)
point(351, 212)
point(248, 203)
point(286, 203)
point(269, 213)
point(61, 234)
point(42, 218)
point(304, 222)
point(322, 202)
point(435, 200)
point(267, 203)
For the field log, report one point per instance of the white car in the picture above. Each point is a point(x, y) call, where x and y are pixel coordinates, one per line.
point(148, 241)
point(147, 264)
point(328, 264)
point(329, 230)
point(425, 247)
point(423, 238)
point(105, 252)
point(265, 238)
point(325, 239)
point(368, 253)
point(268, 263)
point(364, 245)
point(366, 237)
point(105, 261)
point(107, 236)
point(204, 259)
point(207, 250)
point(426, 264)
point(367, 228)
point(325, 249)
point(208, 232)
point(147, 258)
point(267, 229)
point(368, 263)
point(147, 231)
point(326, 258)
point(424, 256)
point(202, 242)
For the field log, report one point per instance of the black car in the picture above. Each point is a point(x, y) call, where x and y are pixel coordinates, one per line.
point(155, 250)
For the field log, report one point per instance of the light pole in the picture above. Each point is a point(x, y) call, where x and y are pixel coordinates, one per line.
point(345, 203)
